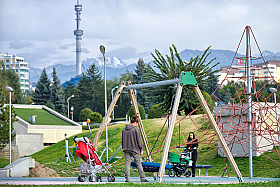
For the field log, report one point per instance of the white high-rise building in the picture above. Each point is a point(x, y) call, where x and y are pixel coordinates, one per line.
point(17, 64)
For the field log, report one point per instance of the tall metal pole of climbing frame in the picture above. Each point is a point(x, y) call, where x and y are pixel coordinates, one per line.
point(249, 82)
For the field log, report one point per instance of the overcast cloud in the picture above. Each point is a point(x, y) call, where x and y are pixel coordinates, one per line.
point(42, 31)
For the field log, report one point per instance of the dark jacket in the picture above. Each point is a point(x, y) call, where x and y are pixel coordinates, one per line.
point(193, 145)
point(131, 139)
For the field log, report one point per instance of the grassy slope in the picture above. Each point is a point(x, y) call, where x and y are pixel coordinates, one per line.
point(4, 162)
point(43, 117)
point(207, 154)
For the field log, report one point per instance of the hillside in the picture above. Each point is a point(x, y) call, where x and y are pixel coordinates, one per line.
point(207, 155)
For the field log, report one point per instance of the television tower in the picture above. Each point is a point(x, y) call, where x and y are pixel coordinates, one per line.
point(78, 33)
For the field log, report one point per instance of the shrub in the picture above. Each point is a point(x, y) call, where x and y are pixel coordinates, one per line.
point(141, 110)
point(50, 105)
point(84, 114)
point(95, 117)
point(155, 112)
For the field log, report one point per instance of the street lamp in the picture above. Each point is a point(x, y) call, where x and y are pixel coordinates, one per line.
point(274, 90)
point(68, 103)
point(10, 124)
point(102, 50)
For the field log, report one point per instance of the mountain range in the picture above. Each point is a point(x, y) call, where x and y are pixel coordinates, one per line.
point(115, 66)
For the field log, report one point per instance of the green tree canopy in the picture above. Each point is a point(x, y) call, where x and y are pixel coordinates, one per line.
point(141, 111)
point(84, 114)
point(170, 68)
point(5, 121)
point(138, 78)
point(156, 111)
point(10, 78)
point(57, 95)
point(42, 92)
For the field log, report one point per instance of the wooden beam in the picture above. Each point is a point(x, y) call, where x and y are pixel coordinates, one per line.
point(108, 113)
point(170, 130)
point(218, 133)
point(140, 126)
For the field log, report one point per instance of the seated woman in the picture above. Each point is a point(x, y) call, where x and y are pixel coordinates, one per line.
point(192, 147)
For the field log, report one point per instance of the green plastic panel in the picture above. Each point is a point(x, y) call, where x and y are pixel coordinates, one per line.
point(188, 79)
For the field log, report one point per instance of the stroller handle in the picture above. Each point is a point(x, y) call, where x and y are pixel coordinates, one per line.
point(74, 138)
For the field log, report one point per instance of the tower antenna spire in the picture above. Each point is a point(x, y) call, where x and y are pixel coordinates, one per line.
point(78, 33)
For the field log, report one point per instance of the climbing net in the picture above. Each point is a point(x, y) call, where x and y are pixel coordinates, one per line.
point(256, 108)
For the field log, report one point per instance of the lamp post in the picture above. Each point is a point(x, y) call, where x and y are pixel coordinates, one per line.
point(10, 124)
point(68, 103)
point(274, 90)
point(102, 50)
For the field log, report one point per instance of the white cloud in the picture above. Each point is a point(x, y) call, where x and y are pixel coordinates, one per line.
point(142, 25)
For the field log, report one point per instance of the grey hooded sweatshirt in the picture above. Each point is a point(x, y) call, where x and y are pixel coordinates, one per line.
point(131, 139)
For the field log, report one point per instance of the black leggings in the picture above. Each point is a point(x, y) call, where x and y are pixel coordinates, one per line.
point(194, 157)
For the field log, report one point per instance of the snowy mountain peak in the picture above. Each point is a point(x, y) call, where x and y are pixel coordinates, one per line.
point(99, 62)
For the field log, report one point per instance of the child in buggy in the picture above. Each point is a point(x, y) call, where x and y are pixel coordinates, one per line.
point(93, 165)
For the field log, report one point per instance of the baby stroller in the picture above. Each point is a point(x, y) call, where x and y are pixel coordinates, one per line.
point(180, 164)
point(93, 165)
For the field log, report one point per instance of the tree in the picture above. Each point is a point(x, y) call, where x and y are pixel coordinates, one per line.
point(170, 68)
point(138, 78)
point(156, 112)
point(42, 92)
point(95, 117)
point(141, 111)
point(10, 78)
point(57, 95)
point(84, 114)
point(124, 101)
point(5, 121)
point(89, 92)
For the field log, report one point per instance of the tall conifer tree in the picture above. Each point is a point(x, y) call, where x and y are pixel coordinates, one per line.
point(42, 92)
point(138, 78)
point(57, 95)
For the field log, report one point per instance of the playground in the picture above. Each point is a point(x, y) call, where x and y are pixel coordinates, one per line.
point(234, 135)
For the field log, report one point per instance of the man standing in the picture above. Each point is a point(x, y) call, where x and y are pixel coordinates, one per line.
point(132, 147)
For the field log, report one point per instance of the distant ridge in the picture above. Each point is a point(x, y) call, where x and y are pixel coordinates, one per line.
point(115, 66)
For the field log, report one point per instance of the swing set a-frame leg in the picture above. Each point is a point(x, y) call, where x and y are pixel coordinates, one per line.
point(141, 127)
point(108, 113)
point(187, 78)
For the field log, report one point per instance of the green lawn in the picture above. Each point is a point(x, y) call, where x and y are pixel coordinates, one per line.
point(4, 162)
point(43, 117)
point(207, 155)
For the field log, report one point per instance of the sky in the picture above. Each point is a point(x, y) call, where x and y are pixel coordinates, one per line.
point(42, 31)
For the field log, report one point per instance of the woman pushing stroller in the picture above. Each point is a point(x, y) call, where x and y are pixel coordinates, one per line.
point(192, 147)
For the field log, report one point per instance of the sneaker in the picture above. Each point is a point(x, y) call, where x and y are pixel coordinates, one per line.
point(126, 181)
point(144, 180)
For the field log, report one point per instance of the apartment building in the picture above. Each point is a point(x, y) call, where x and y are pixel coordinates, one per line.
point(17, 64)
point(261, 71)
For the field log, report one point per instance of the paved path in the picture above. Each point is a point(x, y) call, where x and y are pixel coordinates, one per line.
point(166, 179)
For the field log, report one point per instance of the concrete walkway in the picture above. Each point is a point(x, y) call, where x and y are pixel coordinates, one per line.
point(166, 179)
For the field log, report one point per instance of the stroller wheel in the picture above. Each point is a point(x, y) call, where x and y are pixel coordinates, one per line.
point(81, 178)
point(110, 178)
point(171, 173)
point(187, 173)
point(178, 174)
point(113, 178)
point(91, 178)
